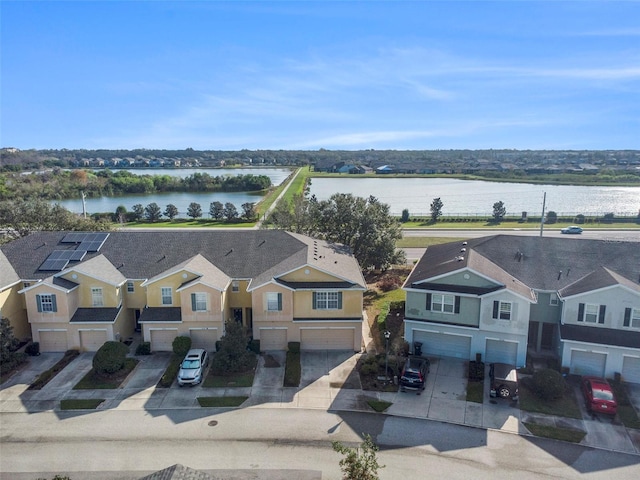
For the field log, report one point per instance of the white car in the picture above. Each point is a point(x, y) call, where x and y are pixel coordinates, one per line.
point(192, 367)
point(571, 229)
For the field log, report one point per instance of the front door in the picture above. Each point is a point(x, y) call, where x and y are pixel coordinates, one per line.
point(237, 315)
point(548, 333)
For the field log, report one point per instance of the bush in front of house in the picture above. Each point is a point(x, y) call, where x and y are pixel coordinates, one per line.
point(143, 348)
point(110, 358)
point(548, 384)
point(33, 349)
point(254, 346)
point(181, 345)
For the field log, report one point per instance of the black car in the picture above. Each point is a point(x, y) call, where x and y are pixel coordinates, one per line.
point(504, 381)
point(414, 374)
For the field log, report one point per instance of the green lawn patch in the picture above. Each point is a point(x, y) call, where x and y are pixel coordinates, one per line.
point(475, 392)
point(48, 375)
point(426, 241)
point(564, 434)
point(80, 404)
point(93, 381)
point(242, 379)
point(221, 401)
point(379, 405)
point(292, 370)
point(626, 413)
point(567, 406)
point(171, 372)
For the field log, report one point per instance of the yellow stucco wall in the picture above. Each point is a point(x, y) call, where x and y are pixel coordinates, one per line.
point(137, 298)
point(110, 293)
point(12, 307)
point(309, 274)
point(214, 304)
point(154, 290)
point(259, 304)
point(351, 306)
point(66, 305)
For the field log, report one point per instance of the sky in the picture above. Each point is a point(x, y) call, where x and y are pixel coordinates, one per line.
point(303, 75)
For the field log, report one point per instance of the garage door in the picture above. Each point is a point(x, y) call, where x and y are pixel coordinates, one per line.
point(588, 363)
point(326, 339)
point(273, 339)
point(53, 341)
point(203, 338)
point(162, 340)
point(501, 352)
point(631, 369)
point(443, 345)
point(92, 340)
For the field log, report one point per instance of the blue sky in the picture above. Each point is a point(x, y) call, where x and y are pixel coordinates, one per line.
point(309, 75)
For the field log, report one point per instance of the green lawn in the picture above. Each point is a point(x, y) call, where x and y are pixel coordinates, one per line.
point(557, 433)
point(217, 402)
point(379, 405)
point(243, 379)
point(566, 406)
point(81, 404)
point(475, 391)
point(93, 381)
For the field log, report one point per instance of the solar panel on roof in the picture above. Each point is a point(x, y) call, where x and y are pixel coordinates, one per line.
point(54, 265)
point(93, 242)
point(74, 237)
point(77, 255)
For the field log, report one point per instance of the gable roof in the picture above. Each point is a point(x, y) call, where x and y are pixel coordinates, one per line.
point(540, 263)
point(238, 254)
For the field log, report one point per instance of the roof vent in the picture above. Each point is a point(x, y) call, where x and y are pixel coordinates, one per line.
point(229, 252)
point(460, 258)
point(464, 243)
point(559, 274)
point(463, 250)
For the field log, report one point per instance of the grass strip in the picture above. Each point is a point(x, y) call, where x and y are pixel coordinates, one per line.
point(242, 379)
point(216, 402)
point(564, 434)
point(171, 372)
point(475, 392)
point(292, 370)
point(566, 406)
point(48, 375)
point(93, 381)
point(80, 404)
point(379, 405)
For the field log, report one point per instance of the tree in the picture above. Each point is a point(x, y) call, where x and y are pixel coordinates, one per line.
point(230, 212)
point(216, 210)
point(194, 210)
point(249, 211)
point(110, 358)
point(171, 211)
point(8, 342)
point(232, 355)
point(359, 463)
point(436, 209)
point(121, 214)
point(405, 215)
point(152, 212)
point(499, 211)
point(138, 212)
point(552, 217)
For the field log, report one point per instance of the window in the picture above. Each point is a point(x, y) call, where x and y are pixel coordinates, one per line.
point(274, 301)
point(632, 317)
point(46, 303)
point(591, 313)
point(199, 302)
point(553, 300)
point(130, 287)
point(167, 298)
point(442, 303)
point(327, 300)
point(235, 286)
point(96, 297)
point(502, 310)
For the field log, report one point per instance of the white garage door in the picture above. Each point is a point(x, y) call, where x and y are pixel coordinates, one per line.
point(588, 363)
point(443, 345)
point(92, 340)
point(326, 339)
point(631, 369)
point(273, 339)
point(501, 352)
point(53, 341)
point(162, 340)
point(203, 338)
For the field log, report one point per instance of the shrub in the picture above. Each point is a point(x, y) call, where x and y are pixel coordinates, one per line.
point(254, 346)
point(548, 384)
point(476, 371)
point(33, 349)
point(294, 347)
point(144, 348)
point(110, 358)
point(181, 345)
point(369, 369)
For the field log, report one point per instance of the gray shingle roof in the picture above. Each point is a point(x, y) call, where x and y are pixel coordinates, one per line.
point(92, 315)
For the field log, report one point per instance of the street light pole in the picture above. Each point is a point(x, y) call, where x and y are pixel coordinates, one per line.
point(387, 335)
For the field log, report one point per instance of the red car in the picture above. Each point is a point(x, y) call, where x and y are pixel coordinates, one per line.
point(598, 395)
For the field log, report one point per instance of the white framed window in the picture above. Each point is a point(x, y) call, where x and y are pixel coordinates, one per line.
point(274, 301)
point(502, 310)
point(46, 302)
point(96, 297)
point(235, 286)
point(554, 301)
point(167, 296)
point(632, 317)
point(327, 300)
point(130, 287)
point(199, 302)
point(443, 303)
point(591, 313)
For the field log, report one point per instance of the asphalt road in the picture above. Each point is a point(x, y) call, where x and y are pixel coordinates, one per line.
point(611, 235)
point(263, 443)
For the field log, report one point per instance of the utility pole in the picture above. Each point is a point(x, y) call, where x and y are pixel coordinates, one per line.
point(544, 201)
point(84, 206)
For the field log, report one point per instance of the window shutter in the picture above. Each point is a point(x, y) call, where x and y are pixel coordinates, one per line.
point(339, 300)
point(627, 317)
point(193, 302)
point(457, 306)
point(54, 304)
point(315, 305)
point(601, 316)
point(581, 312)
point(496, 307)
point(279, 301)
point(428, 301)
point(39, 303)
